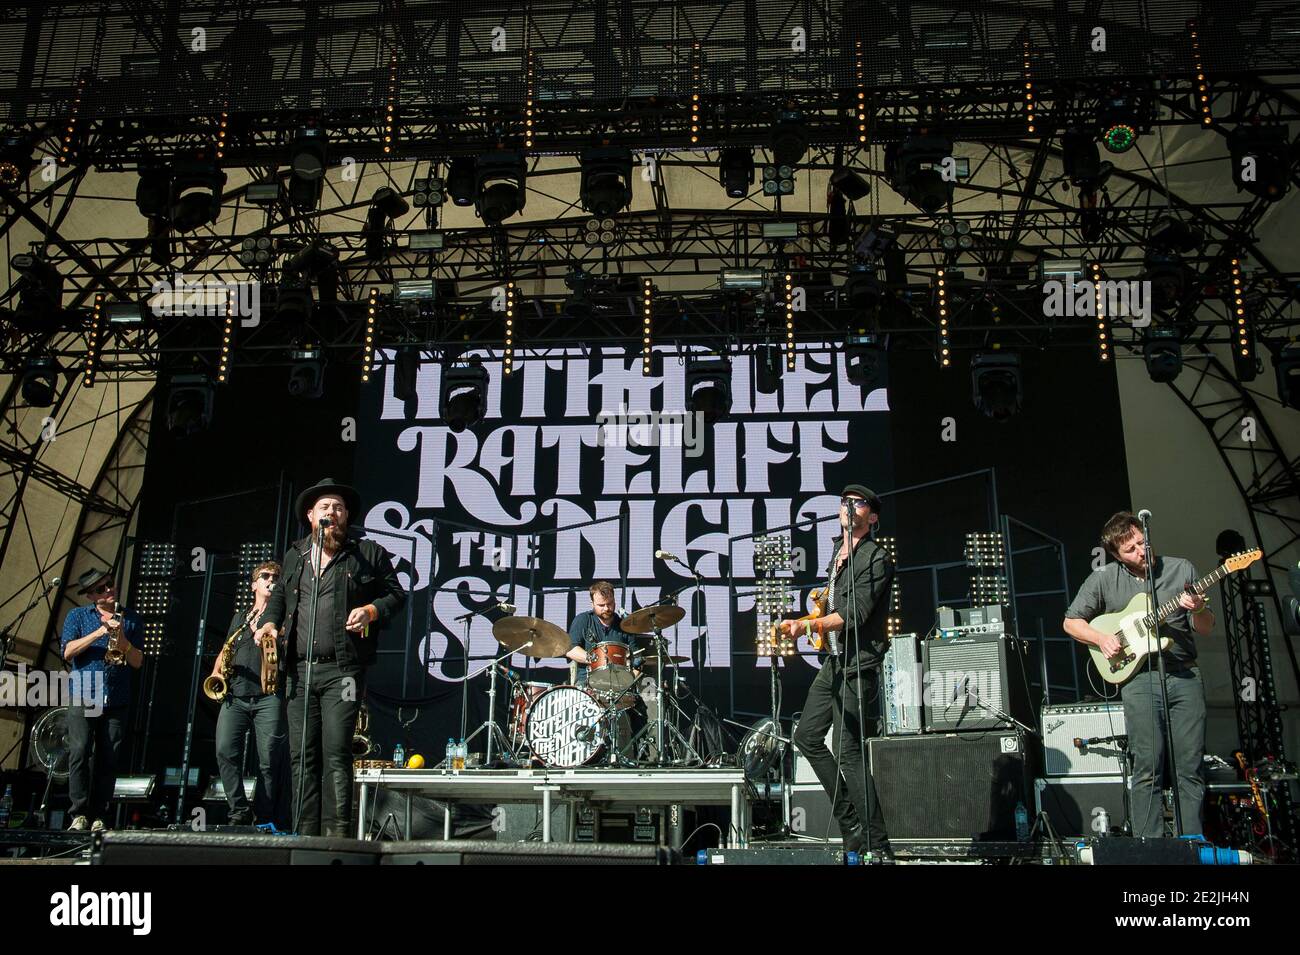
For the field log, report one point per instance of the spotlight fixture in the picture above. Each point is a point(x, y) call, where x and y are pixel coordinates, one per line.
point(1163, 353)
point(914, 169)
point(1170, 278)
point(578, 304)
point(262, 193)
point(293, 301)
point(307, 163)
point(789, 139)
point(864, 360)
point(849, 184)
point(307, 373)
point(317, 261)
point(189, 405)
point(736, 171)
point(463, 395)
point(767, 369)
point(39, 384)
point(778, 180)
point(1119, 118)
point(257, 251)
point(429, 193)
point(598, 232)
point(1286, 363)
point(195, 195)
point(995, 384)
point(500, 186)
point(606, 185)
point(955, 234)
point(863, 290)
point(460, 181)
point(1261, 160)
point(708, 386)
point(40, 292)
point(385, 206)
point(1081, 161)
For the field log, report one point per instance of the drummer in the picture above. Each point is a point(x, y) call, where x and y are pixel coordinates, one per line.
point(600, 624)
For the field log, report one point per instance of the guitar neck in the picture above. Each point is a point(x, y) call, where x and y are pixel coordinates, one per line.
point(1199, 586)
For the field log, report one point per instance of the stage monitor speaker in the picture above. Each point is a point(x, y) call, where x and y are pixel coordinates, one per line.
point(207, 848)
point(1075, 805)
point(955, 787)
point(523, 853)
point(967, 678)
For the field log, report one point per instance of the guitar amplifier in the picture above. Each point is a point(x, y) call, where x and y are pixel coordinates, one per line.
point(1062, 725)
point(954, 787)
point(900, 686)
point(969, 677)
point(1075, 805)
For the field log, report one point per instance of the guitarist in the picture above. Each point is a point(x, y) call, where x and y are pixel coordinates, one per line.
point(1109, 590)
point(832, 702)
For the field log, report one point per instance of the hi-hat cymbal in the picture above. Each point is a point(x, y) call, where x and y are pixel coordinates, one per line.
point(647, 618)
point(653, 662)
point(547, 640)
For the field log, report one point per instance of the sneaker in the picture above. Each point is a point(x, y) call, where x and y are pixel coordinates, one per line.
point(98, 826)
point(79, 824)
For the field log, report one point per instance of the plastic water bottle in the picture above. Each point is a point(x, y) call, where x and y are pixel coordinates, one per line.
point(1101, 822)
point(451, 754)
point(399, 756)
point(1022, 823)
point(6, 806)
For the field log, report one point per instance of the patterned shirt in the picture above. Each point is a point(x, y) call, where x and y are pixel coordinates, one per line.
point(89, 671)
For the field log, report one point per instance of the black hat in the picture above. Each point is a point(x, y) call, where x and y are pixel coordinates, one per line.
point(865, 493)
point(308, 498)
point(90, 578)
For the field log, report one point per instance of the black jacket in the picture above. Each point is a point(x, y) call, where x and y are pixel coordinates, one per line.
point(864, 598)
point(371, 579)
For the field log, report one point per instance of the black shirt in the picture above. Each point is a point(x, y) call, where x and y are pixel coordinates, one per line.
point(246, 668)
point(332, 582)
point(862, 598)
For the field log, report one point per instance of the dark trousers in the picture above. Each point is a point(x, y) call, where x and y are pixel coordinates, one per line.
point(264, 715)
point(833, 706)
point(94, 746)
point(1144, 720)
point(324, 768)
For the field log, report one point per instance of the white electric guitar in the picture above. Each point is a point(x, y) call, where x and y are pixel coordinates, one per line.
point(1136, 628)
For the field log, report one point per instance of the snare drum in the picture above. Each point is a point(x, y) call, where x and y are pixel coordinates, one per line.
point(609, 668)
point(520, 700)
point(564, 729)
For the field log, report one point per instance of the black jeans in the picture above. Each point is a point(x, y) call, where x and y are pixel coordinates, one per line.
point(265, 716)
point(94, 746)
point(330, 714)
point(852, 801)
point(1145, 722)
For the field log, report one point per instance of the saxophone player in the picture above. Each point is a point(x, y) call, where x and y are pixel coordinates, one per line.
point(101, 643)
point(248, 702)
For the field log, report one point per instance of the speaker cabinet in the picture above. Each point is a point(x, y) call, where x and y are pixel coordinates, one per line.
point(953, 787)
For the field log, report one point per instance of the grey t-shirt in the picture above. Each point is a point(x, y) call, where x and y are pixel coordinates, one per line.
point(1110, 589)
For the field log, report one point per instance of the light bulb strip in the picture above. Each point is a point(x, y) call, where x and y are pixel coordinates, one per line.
point(92, 342)
point(1202, 85)
point(65, 148)
point(529, 90)
point(508, 356)
point(1243, 341)
point(227, 334)
point(647, 315)
point(368, 352)
point(1103, 325)
point(390, 111)
point(695, 95)
point(945, 344)
point(861, 104)
point(789, 322)
point(223, 125)
point(1030, 114)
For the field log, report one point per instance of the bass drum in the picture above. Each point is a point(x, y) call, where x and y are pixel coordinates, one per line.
point(564, 728)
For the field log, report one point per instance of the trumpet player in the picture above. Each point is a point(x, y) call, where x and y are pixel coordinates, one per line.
point(251, 694)
point(101, 644)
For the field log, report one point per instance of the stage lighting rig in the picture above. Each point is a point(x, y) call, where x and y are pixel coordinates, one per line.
point(463, 395)
point(385, 207)
point(1286, 364)
point(995, 384)
point(39, 384)
point(317, 261)
point(736, 171)
point(257, 252)
point(954, 235)
point(307, 373)
point(914, 168)
point(1120, 118)
point(429, 193)
point(606, 186)
point(708, 386)
point(40, 292)
point(863, 290)
point(599, 232)
point(1081, 161)
point(789, 138)
point(15, 159)
point(578, 304)
point(308, 160)
point(189, 405)
point(500, 186)
point(1163, 353)
point(460, 181)
point(864, 359)
point(1261, 160)
point(196, 188)
point(778, 180)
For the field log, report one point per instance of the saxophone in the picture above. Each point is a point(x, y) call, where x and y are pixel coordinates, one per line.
point(216, 687)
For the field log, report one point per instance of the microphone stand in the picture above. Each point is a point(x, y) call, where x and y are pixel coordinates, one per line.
point(318, 542)
point(862, 714)
point(1152, 608)
point(493, 730)
point(10, 632)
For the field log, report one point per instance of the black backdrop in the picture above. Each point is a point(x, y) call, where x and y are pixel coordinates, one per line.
point(1059, 466)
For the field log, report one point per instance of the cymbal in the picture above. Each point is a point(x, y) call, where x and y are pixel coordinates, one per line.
point(647, 618)
point(653, 662)
point(548, 640)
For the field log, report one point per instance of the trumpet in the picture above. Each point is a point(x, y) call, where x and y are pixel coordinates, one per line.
point(113, 656)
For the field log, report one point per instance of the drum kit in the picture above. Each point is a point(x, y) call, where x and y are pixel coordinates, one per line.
point(565, 726)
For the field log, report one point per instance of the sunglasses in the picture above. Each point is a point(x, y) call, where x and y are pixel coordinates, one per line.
point(101, 589)
point(267, 575)
point(857, 502)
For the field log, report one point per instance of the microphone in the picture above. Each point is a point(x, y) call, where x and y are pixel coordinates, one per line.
point(56, 581)
point(586, 734)
point(508, 673)
point(664, 555)
point(506, 608)
point(1144, 515)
